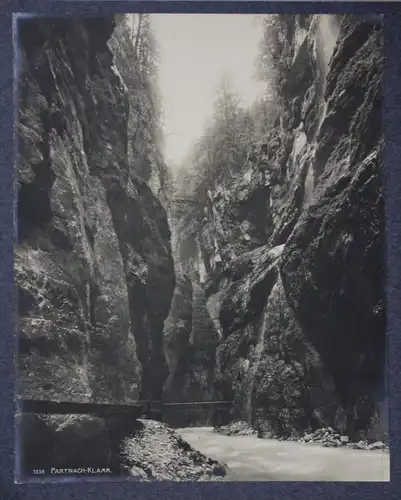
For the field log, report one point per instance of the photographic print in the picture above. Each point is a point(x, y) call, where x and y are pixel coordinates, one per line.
point(200, 257)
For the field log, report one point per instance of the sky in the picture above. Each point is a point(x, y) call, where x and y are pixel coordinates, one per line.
point(196, 52)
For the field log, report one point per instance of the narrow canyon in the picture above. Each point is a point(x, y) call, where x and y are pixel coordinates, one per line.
point(252, 274)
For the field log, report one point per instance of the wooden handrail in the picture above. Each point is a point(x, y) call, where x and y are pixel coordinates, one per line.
point(66, 407)
point(200, 403)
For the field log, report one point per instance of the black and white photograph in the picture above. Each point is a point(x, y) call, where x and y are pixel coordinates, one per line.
point(200, 254)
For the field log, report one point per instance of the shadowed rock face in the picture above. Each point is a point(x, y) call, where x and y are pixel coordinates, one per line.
point(93, 261)
point(298, 294)
point(178, 328)
point(190, 336)
point(74, 441)
point(333, 265)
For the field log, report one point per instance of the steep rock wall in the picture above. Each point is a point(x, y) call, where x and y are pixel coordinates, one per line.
point(295, 280)
point(190, 335)
point(177, 333)
point(93, 261)
point(334, 259)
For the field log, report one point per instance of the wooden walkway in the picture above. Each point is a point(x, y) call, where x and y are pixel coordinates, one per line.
point(146, 409)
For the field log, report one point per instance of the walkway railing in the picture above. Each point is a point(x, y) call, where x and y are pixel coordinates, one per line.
point(147, 409)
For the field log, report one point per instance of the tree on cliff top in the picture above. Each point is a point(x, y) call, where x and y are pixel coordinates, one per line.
point(275, 56)
point(137, 61)
point(221, 151)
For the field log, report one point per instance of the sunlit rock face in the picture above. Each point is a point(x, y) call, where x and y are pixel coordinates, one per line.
point(93, 261)
point(294, 248)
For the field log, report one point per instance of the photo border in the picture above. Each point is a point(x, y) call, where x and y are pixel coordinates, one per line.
point(100, 489)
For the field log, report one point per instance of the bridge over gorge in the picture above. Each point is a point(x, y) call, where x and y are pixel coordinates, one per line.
point(184, 201)
point(176, 414)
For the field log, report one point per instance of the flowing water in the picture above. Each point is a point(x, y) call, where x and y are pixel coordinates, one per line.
point(251, 459)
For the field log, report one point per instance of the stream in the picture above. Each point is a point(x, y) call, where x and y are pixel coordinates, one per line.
point(252, 459)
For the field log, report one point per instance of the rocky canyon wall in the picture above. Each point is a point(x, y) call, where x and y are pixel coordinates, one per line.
point(293, 247)
point(190, 335)
point(94, 268)
point(278, 303)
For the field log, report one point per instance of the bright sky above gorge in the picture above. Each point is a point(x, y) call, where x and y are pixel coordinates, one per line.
point(196, 52)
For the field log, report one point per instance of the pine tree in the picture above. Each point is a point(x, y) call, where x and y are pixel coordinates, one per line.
point(136, 58)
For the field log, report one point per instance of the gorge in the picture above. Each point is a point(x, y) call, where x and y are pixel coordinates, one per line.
point(258, 280)
point(293, 248)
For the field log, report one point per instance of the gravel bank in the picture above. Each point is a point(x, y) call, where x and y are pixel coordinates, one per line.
point(239, 428)
point(327, 437)
point(158, 453)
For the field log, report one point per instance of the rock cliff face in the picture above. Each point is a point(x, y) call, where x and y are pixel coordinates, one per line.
point(190, 335)
point(279, 301)
point(178, 329)
point(94, 267)
point(293, 248)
